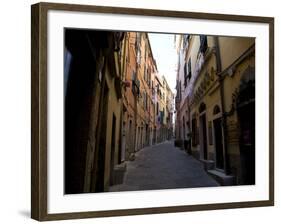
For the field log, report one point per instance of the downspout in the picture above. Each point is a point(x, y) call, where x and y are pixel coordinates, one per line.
point(136, 110)
point(123, 78)
point(124, 67)
point(224, 117)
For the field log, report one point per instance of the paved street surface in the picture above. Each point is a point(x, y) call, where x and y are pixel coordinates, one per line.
point(164, 166)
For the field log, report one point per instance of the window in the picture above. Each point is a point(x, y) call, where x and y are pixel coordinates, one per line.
point(133, 81)
point(216, 110)
point(133, 75)
point(161, 116)
point(148, 76)
point(145, 73)
point(144, 100)
point(189, 69)
point(187, 72)
point(203, 43)
point(138, 39)
point(185, 40)
point(135, 84)
point(157, 108)
point(145, 53)
point(138, 57)
point(185, 75)
point(202, 107)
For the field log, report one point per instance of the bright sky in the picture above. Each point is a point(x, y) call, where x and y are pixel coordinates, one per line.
point(165, 55)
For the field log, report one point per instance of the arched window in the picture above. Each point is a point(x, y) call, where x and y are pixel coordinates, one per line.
point(202, 107)
point(216, 110)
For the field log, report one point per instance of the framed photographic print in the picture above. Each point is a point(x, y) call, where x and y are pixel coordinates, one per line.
point(138, 111)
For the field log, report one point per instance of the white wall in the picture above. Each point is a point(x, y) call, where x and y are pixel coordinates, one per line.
point(15, 111)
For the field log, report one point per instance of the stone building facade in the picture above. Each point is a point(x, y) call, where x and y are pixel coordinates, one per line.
point(110, 106)
point(92, 109)
point(215, 104)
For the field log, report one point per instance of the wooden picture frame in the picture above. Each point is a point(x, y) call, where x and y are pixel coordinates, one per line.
point(39, 109)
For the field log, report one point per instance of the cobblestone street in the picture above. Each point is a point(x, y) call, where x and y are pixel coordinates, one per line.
point(164, 166)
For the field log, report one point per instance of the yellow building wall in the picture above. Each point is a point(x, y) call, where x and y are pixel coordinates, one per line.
point(114, 107)
point(232, 47)
point(141, 111)
point(129, 97)
point(211, 98)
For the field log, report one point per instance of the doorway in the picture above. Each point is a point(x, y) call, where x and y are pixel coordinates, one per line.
point(218, 143)
point(112, 149)
point(246, 117)
point(247, 142)
point(203, 130)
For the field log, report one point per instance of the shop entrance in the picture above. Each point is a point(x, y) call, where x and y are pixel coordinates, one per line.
point(246, 116)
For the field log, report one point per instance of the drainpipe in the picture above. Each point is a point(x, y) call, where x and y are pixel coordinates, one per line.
point(224, 118)
point(124, 66)
point(136, 111)
point(123, 78)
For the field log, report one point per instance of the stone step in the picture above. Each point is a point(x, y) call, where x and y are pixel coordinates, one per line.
point(208, 164)
point(222, 178)
point(119, 172)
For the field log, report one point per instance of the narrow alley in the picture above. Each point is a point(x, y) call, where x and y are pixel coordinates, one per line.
point(149, 111)
point(164, 166)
